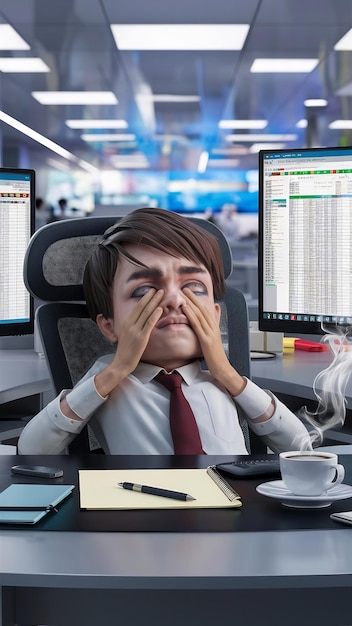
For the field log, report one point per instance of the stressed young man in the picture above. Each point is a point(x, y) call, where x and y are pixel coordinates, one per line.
point(152, 286)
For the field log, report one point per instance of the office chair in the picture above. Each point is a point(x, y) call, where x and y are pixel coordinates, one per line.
point(53, 272)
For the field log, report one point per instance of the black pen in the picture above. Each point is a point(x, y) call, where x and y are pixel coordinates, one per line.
point(156, 491)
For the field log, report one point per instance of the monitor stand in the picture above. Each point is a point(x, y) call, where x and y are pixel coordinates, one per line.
point(262, 354)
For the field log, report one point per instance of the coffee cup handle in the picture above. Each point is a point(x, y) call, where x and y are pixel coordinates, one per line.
point(339, 475)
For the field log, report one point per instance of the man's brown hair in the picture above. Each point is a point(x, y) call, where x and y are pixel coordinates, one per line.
point(160, 229)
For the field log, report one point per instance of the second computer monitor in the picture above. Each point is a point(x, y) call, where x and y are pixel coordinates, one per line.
point(305, 239)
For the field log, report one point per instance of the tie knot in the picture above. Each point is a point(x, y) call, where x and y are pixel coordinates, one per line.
point(170, 381)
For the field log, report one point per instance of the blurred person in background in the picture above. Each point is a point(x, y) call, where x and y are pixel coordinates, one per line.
point(228, 222)
point(42, 214)
point(62, 209)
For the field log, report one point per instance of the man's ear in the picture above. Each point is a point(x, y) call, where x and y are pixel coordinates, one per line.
point(106, 326)
point(218, 312)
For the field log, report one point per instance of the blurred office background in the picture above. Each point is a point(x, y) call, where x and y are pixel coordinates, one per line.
point(118, 105)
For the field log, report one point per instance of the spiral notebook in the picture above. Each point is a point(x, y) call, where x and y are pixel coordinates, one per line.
point(98, 489)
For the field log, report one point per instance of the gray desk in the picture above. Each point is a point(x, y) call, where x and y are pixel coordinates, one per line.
point(191, 578)
point(293, 375)
point(250, 579)
point(24, 388)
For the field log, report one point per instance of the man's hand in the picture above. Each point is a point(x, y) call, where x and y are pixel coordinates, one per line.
point(206, 327)
point(132, 341)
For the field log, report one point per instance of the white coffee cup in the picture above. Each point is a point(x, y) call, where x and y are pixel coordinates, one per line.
point(310, 473)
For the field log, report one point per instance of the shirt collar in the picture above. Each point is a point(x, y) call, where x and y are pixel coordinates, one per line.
point(145, 372)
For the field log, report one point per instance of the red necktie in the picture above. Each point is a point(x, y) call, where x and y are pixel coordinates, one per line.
point(184, 429)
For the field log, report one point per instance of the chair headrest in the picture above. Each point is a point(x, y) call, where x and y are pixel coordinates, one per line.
point(58, 252)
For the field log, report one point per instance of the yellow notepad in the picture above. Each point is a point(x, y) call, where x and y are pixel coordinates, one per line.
point(99, 489)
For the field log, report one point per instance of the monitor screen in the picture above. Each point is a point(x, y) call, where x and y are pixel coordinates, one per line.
point(17, 200)
point(305, 240)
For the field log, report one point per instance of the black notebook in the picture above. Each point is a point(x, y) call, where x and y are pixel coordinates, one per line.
point(28, 503)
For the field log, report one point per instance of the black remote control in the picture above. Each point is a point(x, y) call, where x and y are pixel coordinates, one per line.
point(251, 467)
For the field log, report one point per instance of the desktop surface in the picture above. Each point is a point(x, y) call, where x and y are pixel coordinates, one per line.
point(294, 373)
point(257, 514)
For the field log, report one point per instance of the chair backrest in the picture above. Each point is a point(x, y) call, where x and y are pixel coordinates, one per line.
point(53, 272)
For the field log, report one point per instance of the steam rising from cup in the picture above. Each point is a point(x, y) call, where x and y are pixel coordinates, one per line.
point(330, 389)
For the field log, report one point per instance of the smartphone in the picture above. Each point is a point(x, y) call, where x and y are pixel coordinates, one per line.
point(37, 470)
point(267, 466)
point(345, 517)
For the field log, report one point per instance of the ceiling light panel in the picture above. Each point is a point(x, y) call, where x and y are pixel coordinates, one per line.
point(137, 160)
point(315, 102)
point(180, 36)
point(84, 124)
point(223, 163)
point(263, 137)
point(24, 65)
point(171, 138)
point(243, 124)
point(266, 146)
point(44, 141)
point(108, 137)
point(203, 162)
point(287, 66)
point(58, 165)
point(345, 43)
point(127, 165)
point(341, 125)
point(241, 150)
point(167, 98)
point(10, 39)
point(75, 97)
point(134, 157)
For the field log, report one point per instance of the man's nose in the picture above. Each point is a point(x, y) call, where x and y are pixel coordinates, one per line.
point(174, 298)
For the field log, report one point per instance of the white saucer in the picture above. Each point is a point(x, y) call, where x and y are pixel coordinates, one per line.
point(276, 489)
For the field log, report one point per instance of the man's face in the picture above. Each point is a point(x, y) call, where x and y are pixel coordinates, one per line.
point(172, 340)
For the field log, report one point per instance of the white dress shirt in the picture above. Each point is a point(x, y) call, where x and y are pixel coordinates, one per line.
point(134, 419)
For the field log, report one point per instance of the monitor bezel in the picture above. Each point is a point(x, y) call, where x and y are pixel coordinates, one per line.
point(13, 329)
point(275, 325)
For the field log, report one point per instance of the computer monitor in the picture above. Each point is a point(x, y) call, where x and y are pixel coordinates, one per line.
point(305, 240)
point(17, 202)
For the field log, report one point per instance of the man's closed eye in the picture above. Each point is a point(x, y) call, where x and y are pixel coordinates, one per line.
point(141, 291)
point(197, 288)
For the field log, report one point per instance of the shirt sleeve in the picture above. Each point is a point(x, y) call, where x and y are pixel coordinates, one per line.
point(50, 432)
point(283, 430)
